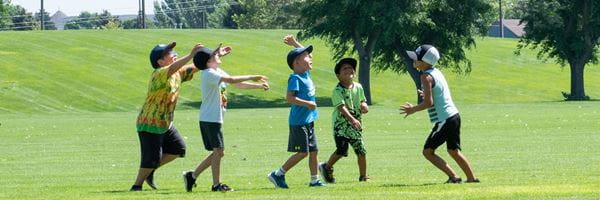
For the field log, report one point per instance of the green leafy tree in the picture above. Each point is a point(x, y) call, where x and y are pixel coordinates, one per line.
point(184, 13)
point(382, 31)
point(565, 30)
point(269, 14)
point(222, 17)
point(4, 15)
point(133, 24)
point(21, 20)
point(87, 20)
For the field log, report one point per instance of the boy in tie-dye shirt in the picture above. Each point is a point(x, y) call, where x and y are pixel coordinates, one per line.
point(160, 141)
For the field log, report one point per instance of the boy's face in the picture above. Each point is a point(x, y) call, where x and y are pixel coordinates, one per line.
point(347, 73)
point(420, 65)
point(303, 62)
point(214, 61)
point(167, 59)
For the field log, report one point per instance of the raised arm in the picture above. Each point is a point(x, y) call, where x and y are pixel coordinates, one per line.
point(179, 63)
point(291, 40)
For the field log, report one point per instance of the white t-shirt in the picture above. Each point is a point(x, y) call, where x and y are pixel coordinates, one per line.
point(212, 88)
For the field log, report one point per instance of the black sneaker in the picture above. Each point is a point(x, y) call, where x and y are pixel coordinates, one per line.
point(190, 182)
point(454, 180)
point(363, 178)
point(221, 188)
point(326, 173)
point(150, 180)
point(136, 188)
point(476, 180)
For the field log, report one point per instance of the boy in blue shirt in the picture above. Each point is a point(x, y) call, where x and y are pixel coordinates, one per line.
point(442, 112)
point(303, 113)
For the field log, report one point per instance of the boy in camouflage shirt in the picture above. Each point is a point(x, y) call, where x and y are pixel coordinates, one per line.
point(349, 104)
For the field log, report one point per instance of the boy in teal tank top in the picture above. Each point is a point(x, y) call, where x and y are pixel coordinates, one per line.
point(442, 112)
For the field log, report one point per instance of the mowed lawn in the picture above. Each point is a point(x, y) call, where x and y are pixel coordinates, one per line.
point(519, 151)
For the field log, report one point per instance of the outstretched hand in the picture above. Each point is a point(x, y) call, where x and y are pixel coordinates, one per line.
point(407, 109)
point(223, 51)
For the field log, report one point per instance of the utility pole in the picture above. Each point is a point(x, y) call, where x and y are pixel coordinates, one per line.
point(42, 15)
point(143, 14)
point(501, 20)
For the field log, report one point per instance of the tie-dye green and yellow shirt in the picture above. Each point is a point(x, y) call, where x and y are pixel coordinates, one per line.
point(156, 115)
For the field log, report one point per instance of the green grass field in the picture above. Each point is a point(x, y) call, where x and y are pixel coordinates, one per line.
point(68, 102)
point(526, 151)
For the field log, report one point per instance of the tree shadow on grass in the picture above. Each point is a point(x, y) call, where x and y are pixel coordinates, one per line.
point(410, 185)
point(250, 101)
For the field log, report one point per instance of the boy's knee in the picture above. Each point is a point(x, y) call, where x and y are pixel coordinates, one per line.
point(218, 152)
point(428, 152)
point(453, 152)
point(302, 154)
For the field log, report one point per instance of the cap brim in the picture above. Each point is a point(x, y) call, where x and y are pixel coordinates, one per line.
point(412, 55)
point(308, 49)
point(171, 46)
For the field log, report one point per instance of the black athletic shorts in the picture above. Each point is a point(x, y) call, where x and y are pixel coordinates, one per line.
point(342, 143)
point(446, 131)
point(212, 136)
point(154, 145)
point(302, 138)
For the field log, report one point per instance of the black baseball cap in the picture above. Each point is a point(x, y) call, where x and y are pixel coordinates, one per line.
point(351, 61)
point(159, 51)
point(295, 53)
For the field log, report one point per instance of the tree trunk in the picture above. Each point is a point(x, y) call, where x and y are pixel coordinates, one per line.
point(415, 75)
point(364, 74)
point(365, 54)
point(577, 87)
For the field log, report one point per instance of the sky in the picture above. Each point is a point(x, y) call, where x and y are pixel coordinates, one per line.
point(74, 7)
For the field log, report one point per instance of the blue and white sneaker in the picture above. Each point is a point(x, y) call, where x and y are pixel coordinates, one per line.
point(317, 184)
point(278, 181)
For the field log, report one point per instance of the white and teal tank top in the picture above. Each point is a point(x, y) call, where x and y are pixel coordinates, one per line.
point(443, 106)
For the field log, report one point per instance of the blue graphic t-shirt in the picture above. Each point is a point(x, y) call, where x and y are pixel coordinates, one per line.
point(305, 90)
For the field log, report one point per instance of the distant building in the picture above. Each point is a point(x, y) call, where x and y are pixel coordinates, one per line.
point(60, 19)
point(512, 29)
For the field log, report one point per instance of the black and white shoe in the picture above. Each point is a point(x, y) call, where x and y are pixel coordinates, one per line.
point(454, 180)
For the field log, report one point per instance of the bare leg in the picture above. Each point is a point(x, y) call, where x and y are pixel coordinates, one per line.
point(216, 165)
point(166, 158)
point(293, 160)
point(313, 163)
point(203, 165)
point(142, 174)
point(332, 160)
point(462, 161)
point(362, 164)
point(439, 162)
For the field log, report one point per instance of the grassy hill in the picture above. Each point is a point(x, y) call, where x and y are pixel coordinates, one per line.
point(81, 71)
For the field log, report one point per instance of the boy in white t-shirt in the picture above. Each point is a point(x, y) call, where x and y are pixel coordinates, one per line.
point(213, 83)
